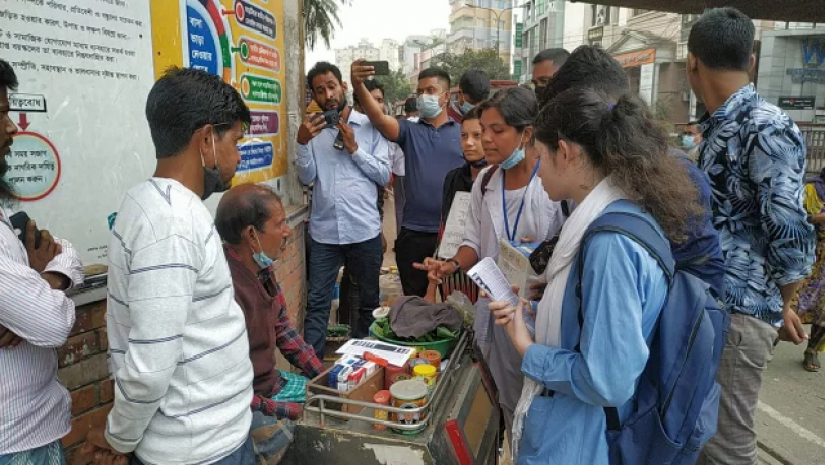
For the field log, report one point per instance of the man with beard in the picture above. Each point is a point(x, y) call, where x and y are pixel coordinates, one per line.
point(344, 162)
point(35, 318)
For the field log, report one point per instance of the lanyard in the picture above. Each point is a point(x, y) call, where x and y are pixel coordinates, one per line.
point(512, 237)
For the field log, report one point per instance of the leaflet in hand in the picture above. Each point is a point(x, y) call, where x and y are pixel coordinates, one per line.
point(487, 275)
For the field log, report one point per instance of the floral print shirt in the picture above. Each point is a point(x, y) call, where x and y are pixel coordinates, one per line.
point(754, 155)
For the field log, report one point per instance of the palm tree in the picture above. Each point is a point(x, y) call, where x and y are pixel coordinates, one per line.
point(320, 20)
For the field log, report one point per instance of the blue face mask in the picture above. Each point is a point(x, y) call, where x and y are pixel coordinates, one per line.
point(428, 106)
point(688, 141)
point(515, 158)
point(467, 107)
point(261, 258)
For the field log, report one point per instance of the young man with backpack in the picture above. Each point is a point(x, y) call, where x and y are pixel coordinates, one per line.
point(755, 156)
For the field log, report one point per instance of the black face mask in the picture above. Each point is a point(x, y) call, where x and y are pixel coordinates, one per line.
point(212, 180)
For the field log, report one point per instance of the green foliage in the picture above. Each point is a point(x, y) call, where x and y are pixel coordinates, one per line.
point(320, 20)
point(396, 86)
point(487, 60)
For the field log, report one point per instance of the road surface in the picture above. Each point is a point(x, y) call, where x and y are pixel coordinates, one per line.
point(791, 414)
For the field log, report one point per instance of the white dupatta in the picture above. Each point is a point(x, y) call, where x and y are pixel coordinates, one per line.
point(548, 318)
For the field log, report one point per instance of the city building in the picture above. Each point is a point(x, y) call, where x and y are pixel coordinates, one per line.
point(418, 52)
point(389, 51)
point(650, 45)
point(791, 72)
point(481, 24)
point(541, 27)
point(411, 46)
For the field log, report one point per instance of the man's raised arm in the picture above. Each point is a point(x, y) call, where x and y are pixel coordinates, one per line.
point(388, 125)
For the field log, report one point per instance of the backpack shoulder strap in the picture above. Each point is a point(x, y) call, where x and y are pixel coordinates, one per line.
point(485, 181)
point(641, 231)
point(635, 227)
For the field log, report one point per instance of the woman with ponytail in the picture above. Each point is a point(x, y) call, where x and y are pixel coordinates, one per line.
point(597, 151)
point(508, 202)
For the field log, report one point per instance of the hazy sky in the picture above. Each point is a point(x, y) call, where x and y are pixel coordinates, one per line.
point(383, 19)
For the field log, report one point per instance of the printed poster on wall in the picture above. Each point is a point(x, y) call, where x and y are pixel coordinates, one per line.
point(242, 42)
point(84, 69)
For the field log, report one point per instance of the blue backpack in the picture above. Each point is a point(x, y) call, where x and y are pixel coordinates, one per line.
point(677, 398)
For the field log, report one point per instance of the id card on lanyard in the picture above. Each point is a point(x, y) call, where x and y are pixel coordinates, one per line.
point(511, 236)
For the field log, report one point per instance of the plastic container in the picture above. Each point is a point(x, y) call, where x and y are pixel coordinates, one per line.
point(409, 395)
point(381, 398)
point(443, 346)
point(381, 313)
point(428, 372)
point(415, 362)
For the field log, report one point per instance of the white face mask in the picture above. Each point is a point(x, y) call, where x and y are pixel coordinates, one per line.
point(429, 106)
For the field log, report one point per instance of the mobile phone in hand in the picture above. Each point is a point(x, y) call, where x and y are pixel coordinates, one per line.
point(381, 68)
point(19, 221)
point(332, 117)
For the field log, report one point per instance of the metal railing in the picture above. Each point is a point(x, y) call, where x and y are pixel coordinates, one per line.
point(814, 134)
point(445, 384)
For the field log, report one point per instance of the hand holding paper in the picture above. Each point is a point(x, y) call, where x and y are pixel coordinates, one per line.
point(487, 275)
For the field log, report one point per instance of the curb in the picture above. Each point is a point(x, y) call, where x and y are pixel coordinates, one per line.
point(769, 456)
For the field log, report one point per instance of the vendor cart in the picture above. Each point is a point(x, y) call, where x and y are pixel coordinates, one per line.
point(460, 421)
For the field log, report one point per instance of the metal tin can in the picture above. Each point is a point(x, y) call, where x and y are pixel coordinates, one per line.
point(381, 398)
point(397, 377)
point(390, 371)
point(431, 356)
point(409, 395)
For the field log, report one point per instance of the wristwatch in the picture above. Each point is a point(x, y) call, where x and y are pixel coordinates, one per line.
point(457, 265)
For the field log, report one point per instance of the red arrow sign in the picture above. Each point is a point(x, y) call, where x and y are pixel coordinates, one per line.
point(24, 122)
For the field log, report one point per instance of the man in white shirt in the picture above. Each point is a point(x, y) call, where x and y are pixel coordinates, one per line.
point(177, 339)
point(35, 318)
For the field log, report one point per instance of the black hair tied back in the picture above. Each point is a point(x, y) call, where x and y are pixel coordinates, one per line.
point(623, 141)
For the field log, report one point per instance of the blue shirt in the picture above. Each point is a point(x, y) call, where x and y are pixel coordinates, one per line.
point(623, 292)
point(755, 157)
point(430, 154)
point(344, 198)
point(701, 254)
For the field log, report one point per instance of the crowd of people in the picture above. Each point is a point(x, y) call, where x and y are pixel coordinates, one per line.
point(195, 314)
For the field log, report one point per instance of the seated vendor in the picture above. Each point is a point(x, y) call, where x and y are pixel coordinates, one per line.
point(252, 223)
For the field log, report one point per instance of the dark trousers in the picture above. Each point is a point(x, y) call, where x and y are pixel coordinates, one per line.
point(364, 261)
point(413, 247)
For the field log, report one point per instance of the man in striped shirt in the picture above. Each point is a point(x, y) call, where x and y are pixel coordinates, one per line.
point(177, 339)
point(35, 317)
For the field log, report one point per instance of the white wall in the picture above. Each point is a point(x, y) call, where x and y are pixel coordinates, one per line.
point(575, 25)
